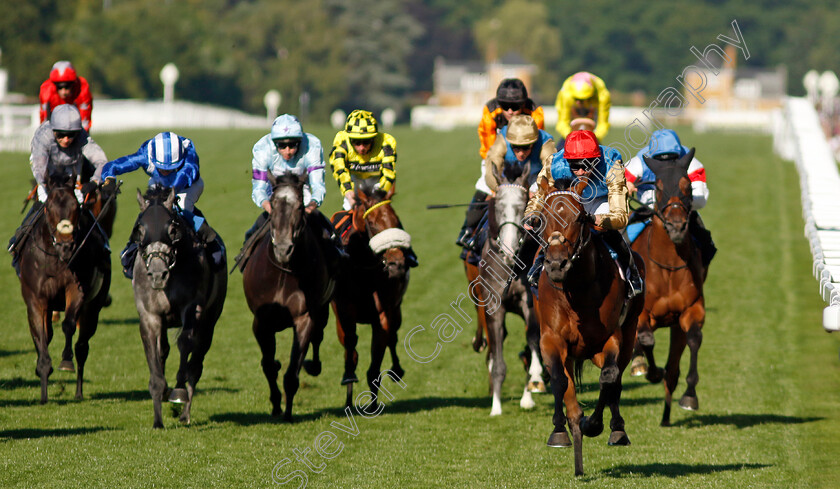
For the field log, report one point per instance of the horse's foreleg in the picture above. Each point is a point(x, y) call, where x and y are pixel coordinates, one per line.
point(88, 322)
point(319, 322)
point(535, 368)
point(74, 299)
point(394, 323)
point(264, 334)
point(40, 328)
point(672, 370)
point(559, 437)
point(300, 343)
point(150, 328)
point(647, 342)
point(478, 342)
point(574, 414)
point(346, 329)
point(378, 345)
point(496, 361)
point(694, 317)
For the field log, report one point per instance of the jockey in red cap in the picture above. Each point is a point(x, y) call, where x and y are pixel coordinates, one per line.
point(64, 86)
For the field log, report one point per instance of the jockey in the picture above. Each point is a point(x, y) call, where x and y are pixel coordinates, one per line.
point(583, 95)
point(605, 197)
point(64, 86)
point(171, 162)
point(364, 157)
point(665, 145)
point(511, 100)
point(287, 149)
point(520, 142)
point(61, 145)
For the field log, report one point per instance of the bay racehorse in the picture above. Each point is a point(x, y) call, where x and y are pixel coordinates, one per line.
point(583, 316)
point(66, 268)
point(175, 286)
point(498, 285)
point(288, 285)
point(370, 289)
point(674, 283)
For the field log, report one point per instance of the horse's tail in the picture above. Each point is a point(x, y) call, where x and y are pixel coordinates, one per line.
point(578, 373)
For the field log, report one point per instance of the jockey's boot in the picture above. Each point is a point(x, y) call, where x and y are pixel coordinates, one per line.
point(616, 242)
point(129, 253)
point(411, 258)
point(471, 220)
point(536, 270)
point(703, 238)
point(213, 245)
point(22, 232)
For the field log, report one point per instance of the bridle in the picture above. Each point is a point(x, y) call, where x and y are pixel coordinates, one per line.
point(516, 224)
point(584, 237)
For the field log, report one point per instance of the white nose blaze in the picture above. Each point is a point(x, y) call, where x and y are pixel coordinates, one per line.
point(64, 226)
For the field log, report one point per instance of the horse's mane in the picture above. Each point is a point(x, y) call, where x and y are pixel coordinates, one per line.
point(60, 179)
point(157, 193)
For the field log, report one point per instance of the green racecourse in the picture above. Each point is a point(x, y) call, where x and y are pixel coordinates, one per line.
point(769, 376)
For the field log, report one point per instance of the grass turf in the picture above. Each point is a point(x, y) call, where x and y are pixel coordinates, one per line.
point(769, 390)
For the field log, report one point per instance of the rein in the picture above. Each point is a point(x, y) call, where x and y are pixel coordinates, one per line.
point(95, 222)
point(375, 206)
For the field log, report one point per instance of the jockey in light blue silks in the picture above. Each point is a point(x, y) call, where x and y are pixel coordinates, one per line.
point(665, 145)
point(605, 197)
point(170, 161)
point(287, 149)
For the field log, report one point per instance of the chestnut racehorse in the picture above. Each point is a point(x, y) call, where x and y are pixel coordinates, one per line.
point(370, 288)
point(583, 316)
point(674, 283)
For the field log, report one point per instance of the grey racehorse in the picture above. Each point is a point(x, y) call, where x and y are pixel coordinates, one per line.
point(174, 287)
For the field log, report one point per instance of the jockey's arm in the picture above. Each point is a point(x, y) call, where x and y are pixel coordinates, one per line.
point(314, 159)
point(388, 167)
point(486, 132)
point(338, 163)
point(564, 112)
point(494, 163)
point(535, 203)
point(603, 124)
point(699, 189)
point(617, 199)
point(94, 153)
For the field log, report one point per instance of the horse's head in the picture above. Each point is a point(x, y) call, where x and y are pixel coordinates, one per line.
point(565, 226)
point(507, 208)
point(62, 214)
point(158, 230)
point(287, 214)
point(673, 194)
point(387, 239)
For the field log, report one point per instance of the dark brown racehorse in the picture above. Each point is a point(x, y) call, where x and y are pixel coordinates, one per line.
point(62, 270)
point(175, 286)
point(583, 316)
point(499, 286)
point(674, 283)
point(287, 285)
point(370, 288)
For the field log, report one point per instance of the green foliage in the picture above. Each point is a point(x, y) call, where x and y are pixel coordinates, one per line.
point(522, 26)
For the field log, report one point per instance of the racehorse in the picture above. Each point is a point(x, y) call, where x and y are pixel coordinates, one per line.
point(583, 316)
point(674, 283)
point(64, 267)
point(500, 274)
point(174, 286)
point(287, 285)
point(370, 288)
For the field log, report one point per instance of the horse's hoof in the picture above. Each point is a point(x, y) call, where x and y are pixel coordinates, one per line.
point(559, 439)
point(479, 345)
point(655, 376)
point(179, 395)
point(638, 367)
point(618, 438)
point(349, 379)
point(537, 387)
point(398, 371)
point(689, 403)
point(67, 366)
point(591, 428)
point(312, 367)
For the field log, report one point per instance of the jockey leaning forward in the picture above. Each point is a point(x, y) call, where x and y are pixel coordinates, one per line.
point(170, 161)
point(583, 96)
point(364, 158)
point(511, 100)
point(519, 143)
point(605, 197)
point(64, 86)
point(665, 145)
point(60, 146)
point(286, 149)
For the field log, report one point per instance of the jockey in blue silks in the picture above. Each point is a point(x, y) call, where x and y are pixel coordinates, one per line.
point(605, 197)
point(665, 145)
point(170, 161)
point(288, 149)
